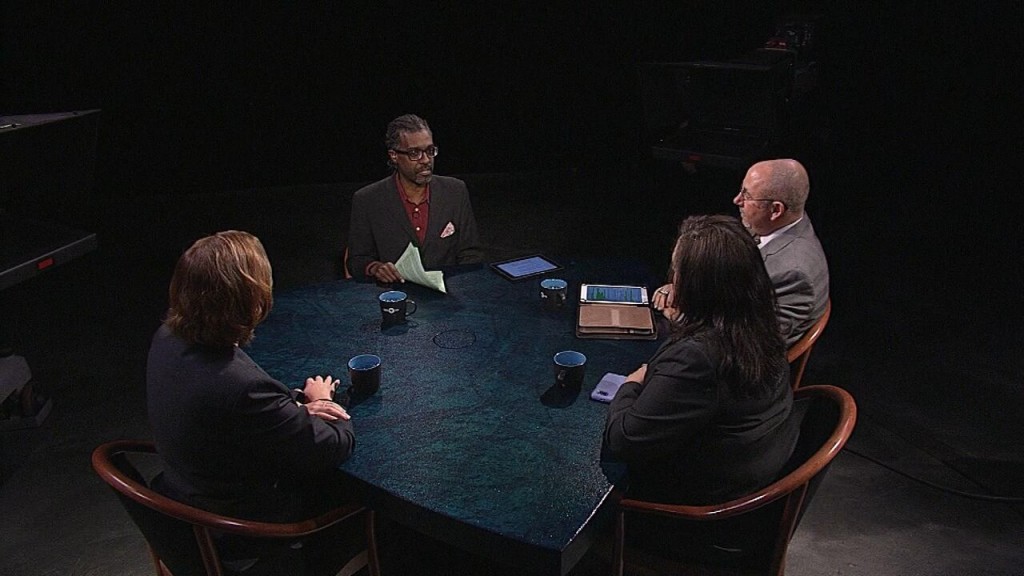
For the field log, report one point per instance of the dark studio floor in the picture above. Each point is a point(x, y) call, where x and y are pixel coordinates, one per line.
point(933, 363)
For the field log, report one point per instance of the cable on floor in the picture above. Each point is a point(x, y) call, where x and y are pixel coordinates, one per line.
point(946, 489)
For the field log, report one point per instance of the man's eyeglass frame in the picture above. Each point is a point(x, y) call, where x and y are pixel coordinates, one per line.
point(745, 196)
point(415, 154)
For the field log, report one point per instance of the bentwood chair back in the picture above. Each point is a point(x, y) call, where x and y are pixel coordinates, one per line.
point(180, 537)
point(828, 415)
point(800, 352)
point(344, 265)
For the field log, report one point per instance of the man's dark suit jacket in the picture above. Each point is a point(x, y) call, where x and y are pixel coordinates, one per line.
point(231, 437)
point(380, 229)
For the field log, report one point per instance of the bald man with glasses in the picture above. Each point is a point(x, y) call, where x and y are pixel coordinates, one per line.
point(411, 205)
point(771, 204)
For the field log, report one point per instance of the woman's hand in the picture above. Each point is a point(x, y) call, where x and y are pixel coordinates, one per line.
point(663, 297)
point(638, 375)
point(319, 388)
point(326, 410)
point(318, 392)
point(665, 300)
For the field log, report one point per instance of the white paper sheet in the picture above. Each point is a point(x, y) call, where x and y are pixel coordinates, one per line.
point(411, 268)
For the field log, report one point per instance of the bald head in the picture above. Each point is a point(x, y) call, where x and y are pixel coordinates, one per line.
point(784, 180)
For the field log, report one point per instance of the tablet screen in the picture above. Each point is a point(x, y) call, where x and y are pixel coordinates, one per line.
point(613, 294)
point(525, 267)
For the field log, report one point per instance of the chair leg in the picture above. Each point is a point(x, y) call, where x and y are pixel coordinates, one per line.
point(208, 551)
point(619, 550)
point(161, 570)
point(372, 560)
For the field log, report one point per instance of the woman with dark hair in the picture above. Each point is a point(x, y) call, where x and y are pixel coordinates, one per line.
point(234, 440)
point(707, 418)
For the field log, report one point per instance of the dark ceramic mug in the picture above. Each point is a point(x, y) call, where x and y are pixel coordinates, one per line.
point(394, 307)
point(553, 292)
point(364, 373)
point(569, 369)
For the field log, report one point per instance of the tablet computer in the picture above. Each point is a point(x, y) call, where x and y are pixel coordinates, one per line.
point(525, 267)
point(613, 294)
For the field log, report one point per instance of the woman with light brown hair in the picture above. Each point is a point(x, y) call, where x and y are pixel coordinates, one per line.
point(233, 439)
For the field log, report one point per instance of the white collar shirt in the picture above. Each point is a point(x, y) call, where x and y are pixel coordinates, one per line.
point(764, 240)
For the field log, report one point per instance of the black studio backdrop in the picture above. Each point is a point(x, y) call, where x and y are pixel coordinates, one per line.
point(239, 95)
point(244, 95)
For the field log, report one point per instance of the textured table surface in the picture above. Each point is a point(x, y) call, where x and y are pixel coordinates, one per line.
point(465, 441)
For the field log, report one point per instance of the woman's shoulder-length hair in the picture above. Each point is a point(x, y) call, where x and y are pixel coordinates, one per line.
point(725, 293)
point(721, 273)
point(221, 290)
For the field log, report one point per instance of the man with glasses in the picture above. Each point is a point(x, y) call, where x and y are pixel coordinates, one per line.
point(771, 203)
point(411, 205)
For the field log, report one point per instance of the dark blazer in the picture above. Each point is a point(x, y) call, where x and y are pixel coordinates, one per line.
point(380, 229)
point(231, 437)
point(687, 440)
point(799, 272)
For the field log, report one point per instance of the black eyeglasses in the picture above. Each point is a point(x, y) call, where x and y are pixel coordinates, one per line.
point(415, 154)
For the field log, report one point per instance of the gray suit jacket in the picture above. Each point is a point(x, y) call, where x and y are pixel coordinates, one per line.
point(380, 229)
point(799, 272)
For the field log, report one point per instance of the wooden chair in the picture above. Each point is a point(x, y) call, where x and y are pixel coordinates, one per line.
point(180, 537)
point(800, 351)
point(828, 417)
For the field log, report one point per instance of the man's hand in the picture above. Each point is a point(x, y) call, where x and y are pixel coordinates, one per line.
point(385, 272)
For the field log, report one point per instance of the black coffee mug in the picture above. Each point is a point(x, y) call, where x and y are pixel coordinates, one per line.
point(394, 307)
point(553, 292)
point(569, 369)
point(364, 373)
